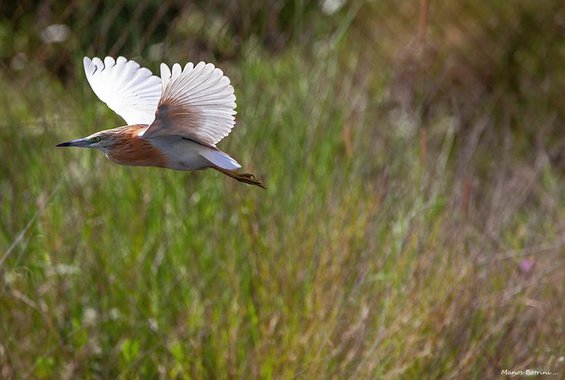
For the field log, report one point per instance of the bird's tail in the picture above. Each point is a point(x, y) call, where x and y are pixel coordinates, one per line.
point(247, 178)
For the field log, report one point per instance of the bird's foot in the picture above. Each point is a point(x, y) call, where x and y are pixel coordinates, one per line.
point(250, 179)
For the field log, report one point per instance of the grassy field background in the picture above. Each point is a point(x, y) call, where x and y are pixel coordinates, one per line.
point(418, 235)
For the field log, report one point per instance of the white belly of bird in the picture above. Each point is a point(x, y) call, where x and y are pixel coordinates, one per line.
point(182, 154)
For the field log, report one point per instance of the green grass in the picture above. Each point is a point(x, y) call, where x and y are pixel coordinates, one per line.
point(358, 261)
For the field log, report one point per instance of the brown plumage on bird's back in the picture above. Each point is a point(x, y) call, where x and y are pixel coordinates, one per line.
point(129, 149)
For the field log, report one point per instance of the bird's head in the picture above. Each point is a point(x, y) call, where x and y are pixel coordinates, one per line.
point(102, 140)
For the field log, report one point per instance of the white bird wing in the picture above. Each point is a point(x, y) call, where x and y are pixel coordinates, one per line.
point(198, 103)
point(129, 90)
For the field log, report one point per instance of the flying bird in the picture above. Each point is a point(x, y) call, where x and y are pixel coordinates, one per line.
point(173, 122)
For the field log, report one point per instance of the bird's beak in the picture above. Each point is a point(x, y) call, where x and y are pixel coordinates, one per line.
point(80, 143)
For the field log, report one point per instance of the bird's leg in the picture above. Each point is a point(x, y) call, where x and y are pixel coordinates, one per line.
point(247, 178)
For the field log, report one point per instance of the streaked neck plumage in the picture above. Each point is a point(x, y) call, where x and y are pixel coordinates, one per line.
point(128, 148)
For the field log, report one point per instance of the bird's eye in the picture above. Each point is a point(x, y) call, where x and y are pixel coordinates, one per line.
point(96, 139)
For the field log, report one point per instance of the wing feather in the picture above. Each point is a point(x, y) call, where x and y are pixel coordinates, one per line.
point(129, 90)
point(198, 103)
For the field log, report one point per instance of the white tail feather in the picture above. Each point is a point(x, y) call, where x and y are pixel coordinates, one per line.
point(220, 159)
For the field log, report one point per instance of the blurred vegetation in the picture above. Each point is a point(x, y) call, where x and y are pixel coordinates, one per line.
point(413, 225)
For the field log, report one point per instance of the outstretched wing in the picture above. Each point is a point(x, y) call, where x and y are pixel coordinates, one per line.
point(129, 90)
point(198, 103)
